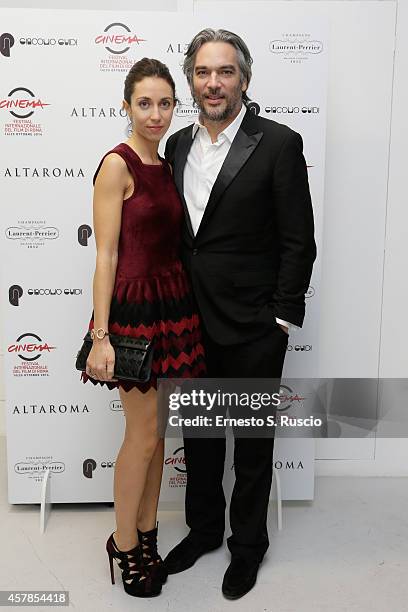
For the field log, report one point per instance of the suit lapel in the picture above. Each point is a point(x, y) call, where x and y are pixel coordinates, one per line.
point(241, 149)
point(183, 147)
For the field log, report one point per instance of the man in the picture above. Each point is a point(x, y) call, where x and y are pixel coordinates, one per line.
point(249, 248)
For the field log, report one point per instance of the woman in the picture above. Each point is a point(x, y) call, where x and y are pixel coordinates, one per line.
point(140, 289)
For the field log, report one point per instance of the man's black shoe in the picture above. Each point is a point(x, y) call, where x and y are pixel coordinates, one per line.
point(186, 553)
point(239, 578)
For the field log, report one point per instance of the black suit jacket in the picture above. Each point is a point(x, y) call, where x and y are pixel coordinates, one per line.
point(252, 257)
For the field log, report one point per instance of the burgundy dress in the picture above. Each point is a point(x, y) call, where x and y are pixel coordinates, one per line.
point(152, 297)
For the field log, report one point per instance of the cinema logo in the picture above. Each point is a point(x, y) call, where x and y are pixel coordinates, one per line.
point(117, 39)
point(42, 173)
point(296, 48)
point(178, 462)
point(288, 398)
point(34, 468)
point(22, 103)
point(30, 349)
point(31, 234)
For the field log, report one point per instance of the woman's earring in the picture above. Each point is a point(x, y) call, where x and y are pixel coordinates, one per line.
point(129, 127)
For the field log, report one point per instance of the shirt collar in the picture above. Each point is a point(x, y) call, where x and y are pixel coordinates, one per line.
point(231, 129)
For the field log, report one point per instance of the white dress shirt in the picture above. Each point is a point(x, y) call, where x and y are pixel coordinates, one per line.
point(202, 167)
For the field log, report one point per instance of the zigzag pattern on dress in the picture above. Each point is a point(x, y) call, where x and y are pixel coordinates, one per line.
point(185, 371)
point(128, 313)
point(158, 327)
point(162, 365)
point(173, 343)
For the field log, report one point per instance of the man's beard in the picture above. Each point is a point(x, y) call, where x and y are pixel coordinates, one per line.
point(215, 114)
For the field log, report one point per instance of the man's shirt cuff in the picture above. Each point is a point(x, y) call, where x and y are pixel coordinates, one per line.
point(290, 326)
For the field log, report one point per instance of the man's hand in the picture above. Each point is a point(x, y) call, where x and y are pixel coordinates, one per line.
point(284, 328)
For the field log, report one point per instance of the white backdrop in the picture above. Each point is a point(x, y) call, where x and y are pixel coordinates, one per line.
point(60, 101)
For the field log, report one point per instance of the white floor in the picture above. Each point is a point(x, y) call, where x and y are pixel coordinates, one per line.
point(347, 551)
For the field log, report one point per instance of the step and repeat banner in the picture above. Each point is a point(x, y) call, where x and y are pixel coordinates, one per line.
point(61, 91)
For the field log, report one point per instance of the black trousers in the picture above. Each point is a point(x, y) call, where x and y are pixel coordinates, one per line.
point(253, 457)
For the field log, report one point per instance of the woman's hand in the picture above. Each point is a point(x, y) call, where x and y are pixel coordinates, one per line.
point(100, 364)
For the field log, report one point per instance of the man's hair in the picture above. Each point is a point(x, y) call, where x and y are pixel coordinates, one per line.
point(209, 35)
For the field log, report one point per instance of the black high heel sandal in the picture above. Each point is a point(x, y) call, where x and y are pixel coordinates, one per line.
point(151, 558)
point(136, 580)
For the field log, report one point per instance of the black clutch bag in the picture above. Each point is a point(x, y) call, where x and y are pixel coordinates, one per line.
point(133, 357)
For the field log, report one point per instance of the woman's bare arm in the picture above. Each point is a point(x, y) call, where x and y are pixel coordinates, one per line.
point(111, 186)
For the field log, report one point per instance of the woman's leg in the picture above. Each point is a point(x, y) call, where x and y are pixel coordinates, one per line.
point(132, 464)
point(148, 506)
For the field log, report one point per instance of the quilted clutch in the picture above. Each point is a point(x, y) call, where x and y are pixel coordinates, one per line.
point(133, 357)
